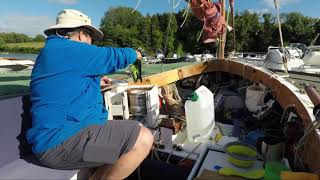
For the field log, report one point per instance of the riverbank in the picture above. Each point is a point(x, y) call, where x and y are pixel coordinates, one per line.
point(26, 47)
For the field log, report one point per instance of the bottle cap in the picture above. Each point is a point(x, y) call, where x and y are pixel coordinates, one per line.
point(194, 97)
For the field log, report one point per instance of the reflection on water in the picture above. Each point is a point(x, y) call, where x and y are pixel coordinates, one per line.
point(20, 56)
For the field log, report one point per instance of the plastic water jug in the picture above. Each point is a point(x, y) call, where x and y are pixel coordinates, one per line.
point(200, 115)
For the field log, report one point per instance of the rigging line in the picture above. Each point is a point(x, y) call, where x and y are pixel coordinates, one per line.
point(201, 32)
point(185, 14)
point(308, 130)
point(175, 6)
point(136, 7)
point(166, 38)
point(314, 40)
point(228, 14)
point(284, 59)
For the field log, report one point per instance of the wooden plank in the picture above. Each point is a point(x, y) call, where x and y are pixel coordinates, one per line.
point(222, 37)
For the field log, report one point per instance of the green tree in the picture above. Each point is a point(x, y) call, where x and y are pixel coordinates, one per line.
point(247, 30)
point(39, 38)
point(298, 28)
point(121, 27)
point(254, 32)
point(156, 35)
point(1, 41)
point(317, 30)
point(145, 33)
point(265, 37)
point(188, 34)
point(170, 34)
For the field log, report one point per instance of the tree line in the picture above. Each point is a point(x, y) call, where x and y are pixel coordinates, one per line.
point(8, 38)
point(19, 38)
point(254, 31)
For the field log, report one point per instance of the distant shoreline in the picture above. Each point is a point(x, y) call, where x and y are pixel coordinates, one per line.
point(23, 47)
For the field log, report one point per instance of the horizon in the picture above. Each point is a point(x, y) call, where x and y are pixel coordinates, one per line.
point(32, 18)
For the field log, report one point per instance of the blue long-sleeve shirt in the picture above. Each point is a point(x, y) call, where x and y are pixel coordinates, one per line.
point(65, 89)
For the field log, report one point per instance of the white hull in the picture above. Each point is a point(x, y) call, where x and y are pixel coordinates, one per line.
point(7, 65)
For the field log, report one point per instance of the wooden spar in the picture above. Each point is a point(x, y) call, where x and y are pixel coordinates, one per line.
point(222, 37)
point(233, 26)
point(281, 91)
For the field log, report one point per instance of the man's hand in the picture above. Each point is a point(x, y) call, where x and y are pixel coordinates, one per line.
point(139, 55)
point(105, 82)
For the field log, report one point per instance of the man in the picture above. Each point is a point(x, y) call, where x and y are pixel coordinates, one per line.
point(69, 122)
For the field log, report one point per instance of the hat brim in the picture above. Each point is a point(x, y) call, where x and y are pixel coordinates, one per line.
point(98, 35)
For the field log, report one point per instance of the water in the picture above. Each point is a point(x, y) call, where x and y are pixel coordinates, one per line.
point(19, 56)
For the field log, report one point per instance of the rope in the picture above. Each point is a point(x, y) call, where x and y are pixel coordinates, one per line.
point(228, 14)
point(201, 32)
point(284, 59)
point(244, 69)
point(185, 14)
point(175, 6)
point(167, 34)
point(136, 7)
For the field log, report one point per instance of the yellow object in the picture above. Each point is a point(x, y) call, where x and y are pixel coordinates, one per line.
point(287, 175)
point(218, 137)
point(242, 150)
point(241, 155)
point(240, 163)
point(253, 174)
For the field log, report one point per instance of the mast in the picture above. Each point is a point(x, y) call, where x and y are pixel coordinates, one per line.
point(222, 37)
point(231, 2)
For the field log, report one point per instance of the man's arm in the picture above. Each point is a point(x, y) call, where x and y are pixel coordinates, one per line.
point(105, 60)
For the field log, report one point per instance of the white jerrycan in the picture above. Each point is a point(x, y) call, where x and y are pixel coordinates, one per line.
point(200, 115)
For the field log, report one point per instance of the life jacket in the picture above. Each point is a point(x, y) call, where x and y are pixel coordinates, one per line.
point(210, 14)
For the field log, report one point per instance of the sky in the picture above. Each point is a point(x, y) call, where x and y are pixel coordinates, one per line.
point(31, 17)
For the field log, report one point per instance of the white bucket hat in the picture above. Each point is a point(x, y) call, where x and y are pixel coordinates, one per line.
point(70, 18)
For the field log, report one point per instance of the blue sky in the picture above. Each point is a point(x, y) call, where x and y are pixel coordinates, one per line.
point(33, 16)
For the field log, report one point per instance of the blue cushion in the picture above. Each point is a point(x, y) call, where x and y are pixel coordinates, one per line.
point(10, 110)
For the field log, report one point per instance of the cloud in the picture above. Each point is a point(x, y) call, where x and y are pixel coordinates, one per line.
point(259, 11)
point(30, 25)
point(66, 2)
point(270, 3)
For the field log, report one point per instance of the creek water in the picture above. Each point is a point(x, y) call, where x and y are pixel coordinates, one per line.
point(19, 56)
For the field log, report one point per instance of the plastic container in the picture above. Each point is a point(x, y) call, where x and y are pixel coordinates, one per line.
point(255, 96)
point(137, 101)
point(273, 170)
point(200, 115)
